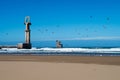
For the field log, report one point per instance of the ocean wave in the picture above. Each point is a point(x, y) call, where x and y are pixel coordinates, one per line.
point(87, 50)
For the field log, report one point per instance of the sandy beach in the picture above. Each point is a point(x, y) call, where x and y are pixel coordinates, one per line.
point(59, 68)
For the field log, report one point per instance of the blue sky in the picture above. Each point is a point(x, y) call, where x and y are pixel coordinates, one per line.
point(60, 19)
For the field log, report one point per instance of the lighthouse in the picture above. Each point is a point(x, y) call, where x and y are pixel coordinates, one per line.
point(27, 44)
point(27, 31)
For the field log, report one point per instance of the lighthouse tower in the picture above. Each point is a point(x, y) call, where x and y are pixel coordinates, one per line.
point(27, 31)
point(27, 44)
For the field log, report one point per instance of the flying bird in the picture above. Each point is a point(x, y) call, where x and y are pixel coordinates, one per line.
point(91, 17)
point(108, 18)
point(52, 32)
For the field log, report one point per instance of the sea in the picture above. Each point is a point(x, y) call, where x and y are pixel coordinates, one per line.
point(70, 48)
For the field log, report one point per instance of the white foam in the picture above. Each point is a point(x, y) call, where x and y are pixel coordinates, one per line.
point(116, 50)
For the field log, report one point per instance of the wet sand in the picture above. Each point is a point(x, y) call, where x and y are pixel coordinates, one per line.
point(59, 68)
point(65, 59)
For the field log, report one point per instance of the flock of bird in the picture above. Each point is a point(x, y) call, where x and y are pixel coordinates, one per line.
point(57, 26)
point(42, 31)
